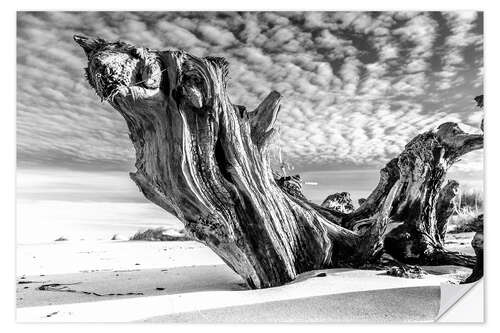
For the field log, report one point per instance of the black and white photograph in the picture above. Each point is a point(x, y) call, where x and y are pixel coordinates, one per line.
point(248, 166)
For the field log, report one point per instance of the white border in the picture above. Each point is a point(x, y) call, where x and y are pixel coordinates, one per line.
point(7, 165)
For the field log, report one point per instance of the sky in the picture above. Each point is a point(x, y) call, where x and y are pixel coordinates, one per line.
point(356, 86)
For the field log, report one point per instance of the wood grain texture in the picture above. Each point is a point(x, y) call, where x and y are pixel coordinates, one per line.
point(205, 161)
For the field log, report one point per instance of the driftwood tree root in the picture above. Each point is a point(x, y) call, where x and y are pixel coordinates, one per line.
point(205, 161)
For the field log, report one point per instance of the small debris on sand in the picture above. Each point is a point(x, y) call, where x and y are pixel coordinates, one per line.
point(64, 288)
point(53, 313)
point(25, 282)
point(406, 271)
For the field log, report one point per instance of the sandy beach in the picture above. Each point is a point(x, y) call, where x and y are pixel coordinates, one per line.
point(123, 281)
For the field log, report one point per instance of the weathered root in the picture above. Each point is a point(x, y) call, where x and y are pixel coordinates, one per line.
point(206, 161)
point(408, 245)
point(445, 257)
point(477, 245)
point(340, 202)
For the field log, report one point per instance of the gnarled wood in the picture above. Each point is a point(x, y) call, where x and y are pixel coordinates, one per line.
point(205, 160)
point(341, 202)
point(445, 206)
point(377, 199)
point(423, 165)
point(477, 245)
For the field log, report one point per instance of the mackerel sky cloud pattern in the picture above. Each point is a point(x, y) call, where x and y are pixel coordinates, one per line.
point(357, 86)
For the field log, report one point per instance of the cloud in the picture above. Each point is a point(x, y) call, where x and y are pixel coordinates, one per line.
point(216, 36)
point(421, 31)
point(356, 86)
point(461, 25)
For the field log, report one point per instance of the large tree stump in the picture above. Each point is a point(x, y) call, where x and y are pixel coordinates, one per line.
point(205, 160)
